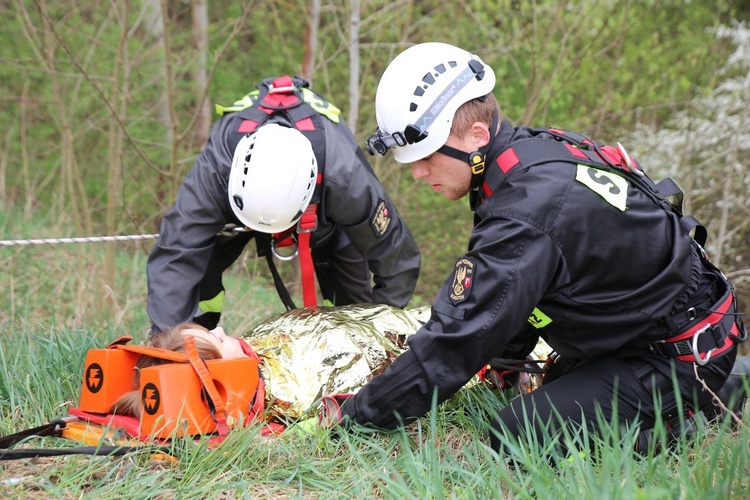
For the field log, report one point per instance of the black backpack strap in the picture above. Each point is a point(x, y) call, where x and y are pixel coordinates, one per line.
point(700, 233)
point(113, 451)
point(263, 243)
point(54, 428)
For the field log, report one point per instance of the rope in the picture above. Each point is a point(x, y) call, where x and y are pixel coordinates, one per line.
point(89, 239)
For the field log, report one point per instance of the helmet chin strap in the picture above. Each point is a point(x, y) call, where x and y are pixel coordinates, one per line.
point(475, 159)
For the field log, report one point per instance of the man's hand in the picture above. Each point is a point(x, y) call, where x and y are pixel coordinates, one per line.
point(499, 379)
point(330, 410)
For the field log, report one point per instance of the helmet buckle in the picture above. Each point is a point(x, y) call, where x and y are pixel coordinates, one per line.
point(476, 162)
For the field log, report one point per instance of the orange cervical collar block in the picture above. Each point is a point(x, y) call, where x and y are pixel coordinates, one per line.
point(172, 397)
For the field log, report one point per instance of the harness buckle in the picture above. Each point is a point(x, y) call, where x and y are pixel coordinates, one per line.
point(309, 220)
point(280, 90)
point(655, 349)
point(691, 314)
point(694, 345)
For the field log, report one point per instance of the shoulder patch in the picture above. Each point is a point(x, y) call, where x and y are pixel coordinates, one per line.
point(463, 279)
point(612, 187)
point(538, 319)
point(382, 218)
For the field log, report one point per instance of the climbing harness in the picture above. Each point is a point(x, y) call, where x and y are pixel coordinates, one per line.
point(694, 335)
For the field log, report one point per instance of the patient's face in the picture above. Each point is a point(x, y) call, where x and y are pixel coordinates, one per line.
point(229, 347)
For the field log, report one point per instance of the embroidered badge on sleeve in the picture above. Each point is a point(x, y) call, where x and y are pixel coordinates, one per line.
point(382, 219)
point(463, 279)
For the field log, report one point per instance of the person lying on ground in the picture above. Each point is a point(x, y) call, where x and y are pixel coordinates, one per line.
point(303, 354)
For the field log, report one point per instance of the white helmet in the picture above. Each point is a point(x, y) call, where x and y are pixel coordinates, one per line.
point(419, 93)
point(272, 178)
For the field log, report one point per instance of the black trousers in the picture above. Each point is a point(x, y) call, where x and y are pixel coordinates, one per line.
point(342, 272)
point(623, 390)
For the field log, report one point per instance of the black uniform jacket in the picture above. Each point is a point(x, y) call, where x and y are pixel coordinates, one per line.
point(353, 200)
point(574, 254)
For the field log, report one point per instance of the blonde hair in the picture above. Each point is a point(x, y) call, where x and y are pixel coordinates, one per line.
point(475, 110)
point(129, 404)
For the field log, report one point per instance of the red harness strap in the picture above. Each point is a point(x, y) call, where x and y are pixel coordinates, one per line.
point(708, 337)
point(711, 336)
point(307, 224)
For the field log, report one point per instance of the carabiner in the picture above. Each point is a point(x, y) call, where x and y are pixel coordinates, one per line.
point(696, 354)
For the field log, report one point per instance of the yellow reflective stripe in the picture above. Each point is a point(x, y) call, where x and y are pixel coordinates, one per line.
point(320, 105)
point(538, 319)
point(212, 305)
point(239, 105)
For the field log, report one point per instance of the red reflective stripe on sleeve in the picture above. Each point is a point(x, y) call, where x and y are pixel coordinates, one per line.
point(304, 124)
point(507, 160)
point(486, 189)
point(576, 152)
point(247, 126)
point(556, 131)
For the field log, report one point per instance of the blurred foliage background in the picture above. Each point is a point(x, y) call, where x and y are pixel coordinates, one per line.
point(106, 103)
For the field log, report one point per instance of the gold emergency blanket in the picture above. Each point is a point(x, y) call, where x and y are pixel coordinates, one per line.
point(311, 352)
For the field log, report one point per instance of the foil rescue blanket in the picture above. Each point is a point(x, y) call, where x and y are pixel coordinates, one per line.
point(311, 352)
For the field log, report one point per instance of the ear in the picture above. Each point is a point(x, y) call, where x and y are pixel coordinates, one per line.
point(480, 134)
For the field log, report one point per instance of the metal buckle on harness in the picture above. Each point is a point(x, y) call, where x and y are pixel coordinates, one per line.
point(628, 162)
point(284, 258)
point(691, 314)
point(696, 354)
point(280, 90)
point(305, 225)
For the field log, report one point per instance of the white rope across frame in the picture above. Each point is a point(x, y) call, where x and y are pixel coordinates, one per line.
point(87, 239)
point(227, 230)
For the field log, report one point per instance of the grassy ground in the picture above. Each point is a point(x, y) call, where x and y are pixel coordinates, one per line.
point(53, 308)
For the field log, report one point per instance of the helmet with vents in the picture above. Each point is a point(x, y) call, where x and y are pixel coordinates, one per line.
point(272, 178)
point(418, 95)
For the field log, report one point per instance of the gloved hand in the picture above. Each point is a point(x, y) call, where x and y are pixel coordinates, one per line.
point(499, 379)
point(330, 410)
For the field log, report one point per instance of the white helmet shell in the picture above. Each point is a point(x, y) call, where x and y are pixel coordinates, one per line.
point(423, 87)
point(272, 178)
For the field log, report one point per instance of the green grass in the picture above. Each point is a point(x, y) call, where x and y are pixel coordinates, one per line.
point(51, 313)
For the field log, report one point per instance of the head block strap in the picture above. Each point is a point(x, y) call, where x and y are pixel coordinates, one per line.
point(213, 399)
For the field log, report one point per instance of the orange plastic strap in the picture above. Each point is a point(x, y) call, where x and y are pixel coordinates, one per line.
point(308, 223)
point(155, 352)
point(219, 411)
point(120, 341)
